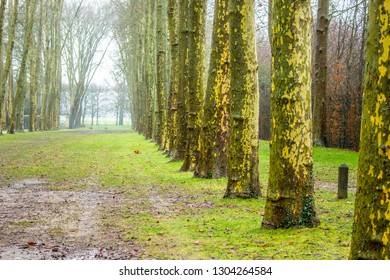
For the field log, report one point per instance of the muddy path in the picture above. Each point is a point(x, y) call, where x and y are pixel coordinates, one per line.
point(37, 222)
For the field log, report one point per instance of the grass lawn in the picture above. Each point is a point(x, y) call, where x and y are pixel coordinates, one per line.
point(173, 215)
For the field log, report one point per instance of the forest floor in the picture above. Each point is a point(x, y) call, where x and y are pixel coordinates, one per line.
point(108, 193)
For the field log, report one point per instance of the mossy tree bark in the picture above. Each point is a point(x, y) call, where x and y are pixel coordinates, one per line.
point(18, 105)
point(173, 11)
point(33, 87)
point(173, 16)
point(320, 74)
point(36, 70)
point(290, 194)
point(243, 160)
point(150, 70)
point(196, 82)
point(183, 86)
point(51, 88)
point(2, 17)
point(371, 228)
point(212, 161)
point(7, 69)
point(161, 73)
point(3, 4)
point(57, 75)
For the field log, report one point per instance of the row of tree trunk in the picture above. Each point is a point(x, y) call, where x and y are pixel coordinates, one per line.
point(34, 89)
point(213, 128)
point(189, 120)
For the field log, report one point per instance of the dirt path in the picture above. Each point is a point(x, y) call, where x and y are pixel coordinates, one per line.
point(39, 223)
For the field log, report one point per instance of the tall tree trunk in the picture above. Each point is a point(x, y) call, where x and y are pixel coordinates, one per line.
point(10, 96)
point(161, 69)
point(212, 161)
point(183, 86)
point(173, 15)
point(243, 158)
point(290, 194)
point(46, 90)
point(35, 76)
point(57, 64)
point(21, 83)
point(8, 60)
point(321, 74)
point(2, 17)
point(149, 70)
point(33, 86)
point(121, 113)
point(97, 110)
point(196, 82)
point(371, 228)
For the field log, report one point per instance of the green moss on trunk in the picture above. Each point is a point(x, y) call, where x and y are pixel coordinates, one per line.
point(7, 69)
point(243, 161)
point(290, 191)
point(161, 110)
point(183, 84)
point(212, 161)
point(195, 96)
point(371, 229)
point(173, 13)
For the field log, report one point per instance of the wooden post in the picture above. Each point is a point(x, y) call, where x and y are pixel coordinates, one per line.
point(342, 191)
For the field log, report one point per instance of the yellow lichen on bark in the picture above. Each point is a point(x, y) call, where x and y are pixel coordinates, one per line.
point(290, 192)
point(213, 138)
point(243, 149)
point(371, 229)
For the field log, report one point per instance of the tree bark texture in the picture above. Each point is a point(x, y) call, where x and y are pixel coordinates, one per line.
point(371, 228)
point(320, 73)
point(18, 105)
point(196, 82)
point(243, 160)
point(183, 86)
point(36, 69)
point(5, 74)
point(161, 76)
point(212, 161)
point(150, 71)
point(173, 14)
point(2, 18)
point(290, 193)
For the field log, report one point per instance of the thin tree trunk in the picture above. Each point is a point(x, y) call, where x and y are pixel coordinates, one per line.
point(321, 74)
point(149, 71)
point(35, 63)
point(2, 17)
point(161, 77)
